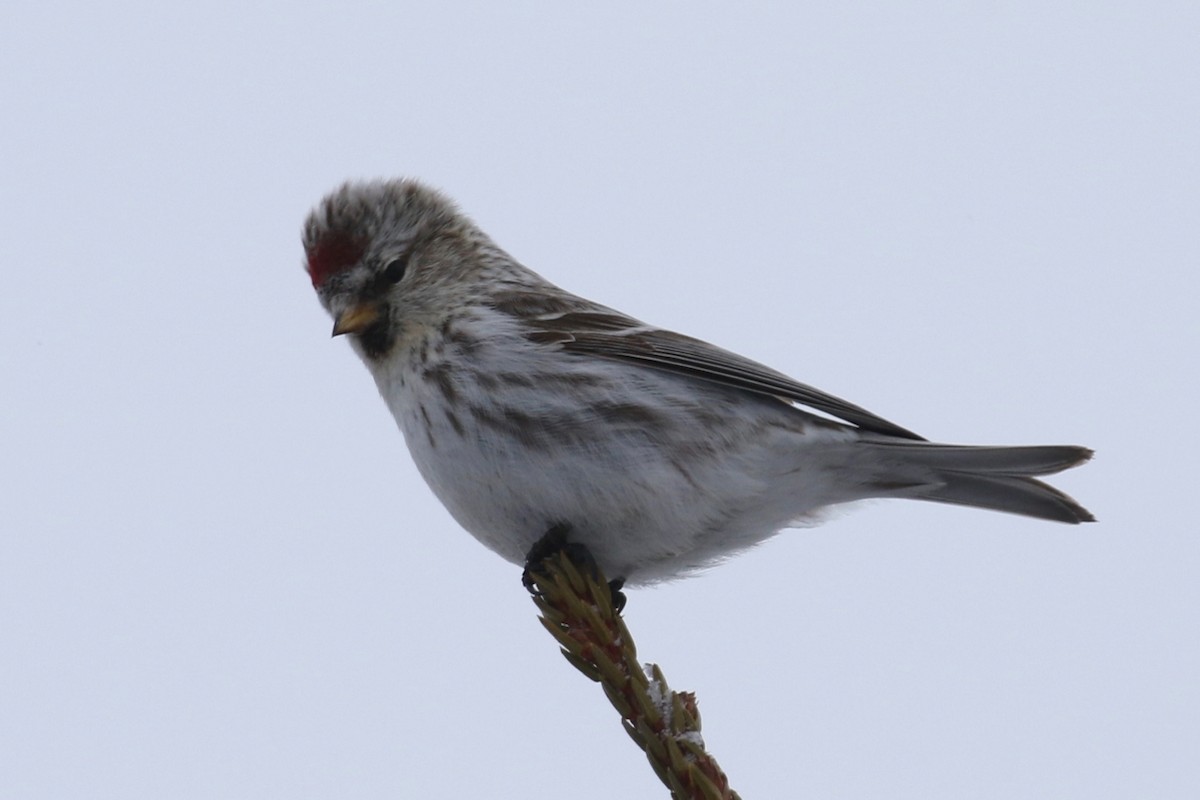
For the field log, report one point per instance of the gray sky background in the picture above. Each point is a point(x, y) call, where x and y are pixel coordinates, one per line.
point(221, 576)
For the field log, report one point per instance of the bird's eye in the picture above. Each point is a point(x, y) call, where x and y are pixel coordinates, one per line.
point(394, 271)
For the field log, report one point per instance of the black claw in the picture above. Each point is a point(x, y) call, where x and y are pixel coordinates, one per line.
point(618, 597)
point(555, 541)
point(552, 541)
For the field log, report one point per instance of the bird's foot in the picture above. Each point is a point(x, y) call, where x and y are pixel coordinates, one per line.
point(555, 541)
point(618, 597)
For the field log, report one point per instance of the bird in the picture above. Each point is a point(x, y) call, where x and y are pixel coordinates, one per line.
point(529, 410)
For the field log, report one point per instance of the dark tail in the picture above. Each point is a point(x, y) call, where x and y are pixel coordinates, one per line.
point(999, 478)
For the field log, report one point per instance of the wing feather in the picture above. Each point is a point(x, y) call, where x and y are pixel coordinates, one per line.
point(609, 334)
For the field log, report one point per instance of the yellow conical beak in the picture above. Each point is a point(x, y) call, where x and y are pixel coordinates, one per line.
point(355, 318)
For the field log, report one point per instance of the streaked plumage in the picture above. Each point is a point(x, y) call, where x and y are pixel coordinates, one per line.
point(525, 406)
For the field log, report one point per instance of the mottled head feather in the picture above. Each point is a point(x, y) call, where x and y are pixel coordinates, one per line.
point(332, 253)
point(359, 217)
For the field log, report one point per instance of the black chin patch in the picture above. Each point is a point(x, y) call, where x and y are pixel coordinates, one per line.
point(377, 339)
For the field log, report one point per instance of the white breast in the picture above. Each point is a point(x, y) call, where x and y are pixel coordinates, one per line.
point(656, 474)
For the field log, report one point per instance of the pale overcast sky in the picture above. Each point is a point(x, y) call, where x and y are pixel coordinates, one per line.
point(221, 576)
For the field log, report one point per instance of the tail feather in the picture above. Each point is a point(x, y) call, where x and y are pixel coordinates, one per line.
point(1027, 496)
point(998, 478)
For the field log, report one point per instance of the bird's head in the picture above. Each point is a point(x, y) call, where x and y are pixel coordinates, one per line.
point(382, 254)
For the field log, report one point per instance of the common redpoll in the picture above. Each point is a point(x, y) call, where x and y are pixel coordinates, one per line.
point(527, 408)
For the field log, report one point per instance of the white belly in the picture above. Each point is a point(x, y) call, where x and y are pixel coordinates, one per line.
point(652, 494)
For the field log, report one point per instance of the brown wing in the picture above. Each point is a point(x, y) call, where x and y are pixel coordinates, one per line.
point(608, 334)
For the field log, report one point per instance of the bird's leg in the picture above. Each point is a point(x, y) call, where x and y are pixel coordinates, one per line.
point(618, 597)
point(555, 541)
